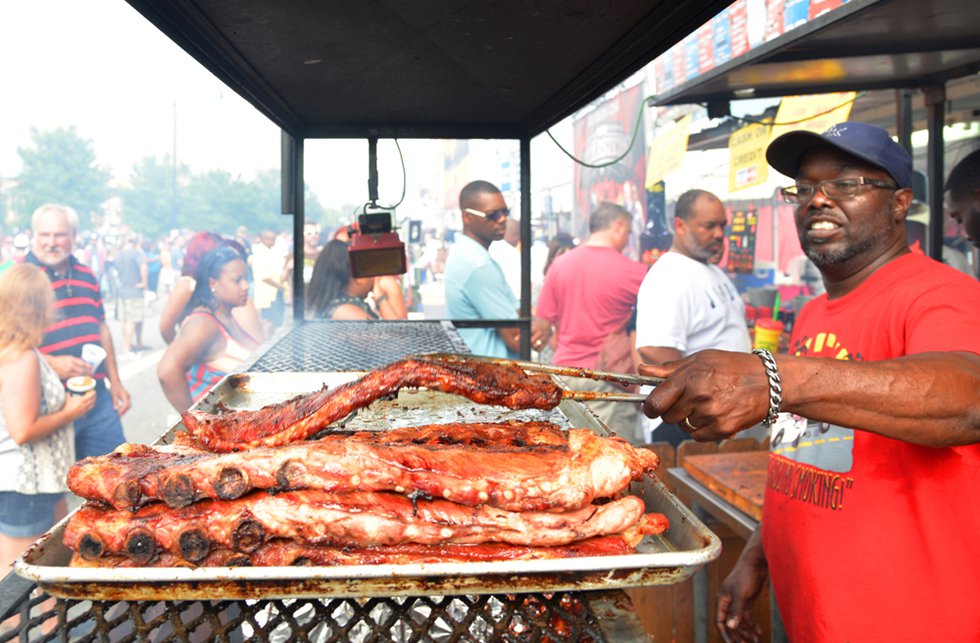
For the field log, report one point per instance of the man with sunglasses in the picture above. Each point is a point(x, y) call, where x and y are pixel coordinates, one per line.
point(874, 461)
point(475, 285)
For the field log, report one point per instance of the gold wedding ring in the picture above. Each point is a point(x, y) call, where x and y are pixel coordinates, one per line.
point(687, 421)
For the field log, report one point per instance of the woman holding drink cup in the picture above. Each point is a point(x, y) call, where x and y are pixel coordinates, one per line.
point(36, 436)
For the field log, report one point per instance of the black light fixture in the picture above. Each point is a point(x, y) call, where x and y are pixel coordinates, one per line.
point(375, 248)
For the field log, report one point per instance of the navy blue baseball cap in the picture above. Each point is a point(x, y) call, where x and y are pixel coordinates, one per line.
point(867, 142)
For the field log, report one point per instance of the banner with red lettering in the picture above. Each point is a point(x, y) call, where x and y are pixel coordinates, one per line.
point(600, 136)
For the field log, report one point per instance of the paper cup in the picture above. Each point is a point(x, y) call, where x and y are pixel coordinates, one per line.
point(767, 333)
point(80, 385)
point(93, 354)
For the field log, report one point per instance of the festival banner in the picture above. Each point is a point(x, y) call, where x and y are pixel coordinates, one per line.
point(774, 19)
point(820, 7)
point(706, 48)
point(679, 62)
point(721, 33)
point(690, 56)
point(602, 135)
point(795, 13)
point(659, 74)
point(738, 28)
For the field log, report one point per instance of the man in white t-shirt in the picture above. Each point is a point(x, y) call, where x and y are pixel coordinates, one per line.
point(686, 303)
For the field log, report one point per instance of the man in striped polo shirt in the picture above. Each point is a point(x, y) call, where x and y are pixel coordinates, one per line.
point(79, 320)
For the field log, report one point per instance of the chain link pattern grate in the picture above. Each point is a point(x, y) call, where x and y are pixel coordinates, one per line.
point(319, 346)
point(562, 616)
point(330, 346)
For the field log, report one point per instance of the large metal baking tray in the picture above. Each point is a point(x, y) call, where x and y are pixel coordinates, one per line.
point(664, 559)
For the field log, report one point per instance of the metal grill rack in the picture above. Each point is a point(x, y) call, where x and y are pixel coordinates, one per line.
point(27, 613)
point(324, 346)
point(562, 616)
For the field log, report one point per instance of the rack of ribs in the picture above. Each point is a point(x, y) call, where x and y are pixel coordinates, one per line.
point(303, 416)
point(517, 467)
point(314, 517)
point(283, 553)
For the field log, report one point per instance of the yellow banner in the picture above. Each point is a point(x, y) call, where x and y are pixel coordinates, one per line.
point(667, 151)
point(747, 165)
point(815, 113)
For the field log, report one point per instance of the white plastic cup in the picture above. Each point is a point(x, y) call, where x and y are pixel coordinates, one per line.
point(93, 354)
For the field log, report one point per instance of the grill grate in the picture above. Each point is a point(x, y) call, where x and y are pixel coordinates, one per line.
point(327, 346)
point(562, 616)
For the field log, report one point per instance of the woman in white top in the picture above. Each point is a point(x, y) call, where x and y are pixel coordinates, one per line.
point(36, 438)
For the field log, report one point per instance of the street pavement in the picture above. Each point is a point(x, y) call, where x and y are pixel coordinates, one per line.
point(151, 414)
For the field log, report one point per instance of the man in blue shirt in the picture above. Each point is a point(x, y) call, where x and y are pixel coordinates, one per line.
point(475, 284)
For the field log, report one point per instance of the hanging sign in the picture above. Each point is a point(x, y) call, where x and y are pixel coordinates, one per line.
point(747, 166)
point(667, 151)
point(815, 113)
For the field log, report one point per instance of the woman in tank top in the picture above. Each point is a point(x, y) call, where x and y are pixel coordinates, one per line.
point(211, 343)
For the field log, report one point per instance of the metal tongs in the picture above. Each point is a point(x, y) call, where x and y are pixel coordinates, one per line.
point(626, 379)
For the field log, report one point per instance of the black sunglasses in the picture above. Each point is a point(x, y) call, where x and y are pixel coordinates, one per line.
point(493, 216)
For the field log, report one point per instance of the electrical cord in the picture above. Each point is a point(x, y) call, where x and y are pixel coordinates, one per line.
point(636, 128)
point(401, 158)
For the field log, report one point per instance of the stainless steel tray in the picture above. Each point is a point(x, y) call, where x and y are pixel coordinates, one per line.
point(664, 559)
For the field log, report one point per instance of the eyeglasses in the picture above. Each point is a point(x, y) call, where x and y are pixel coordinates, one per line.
point(833, 189)
point(493, 216)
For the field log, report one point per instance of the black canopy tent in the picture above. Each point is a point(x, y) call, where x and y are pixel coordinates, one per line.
point(422, 69)
point(905, 45)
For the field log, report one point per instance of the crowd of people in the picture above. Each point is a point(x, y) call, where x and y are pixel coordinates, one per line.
point(682, 319)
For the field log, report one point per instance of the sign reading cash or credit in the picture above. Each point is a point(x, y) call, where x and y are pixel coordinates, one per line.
point(747, 165)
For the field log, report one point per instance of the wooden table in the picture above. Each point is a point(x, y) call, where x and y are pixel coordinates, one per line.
point(729, 486)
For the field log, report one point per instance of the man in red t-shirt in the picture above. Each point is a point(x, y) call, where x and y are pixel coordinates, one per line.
point(875, 461)
point(589, 293)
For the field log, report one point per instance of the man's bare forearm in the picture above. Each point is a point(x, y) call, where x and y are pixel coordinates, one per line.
point(930, 398)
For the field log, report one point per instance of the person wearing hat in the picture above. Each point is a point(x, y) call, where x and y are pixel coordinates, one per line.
point(874, 414)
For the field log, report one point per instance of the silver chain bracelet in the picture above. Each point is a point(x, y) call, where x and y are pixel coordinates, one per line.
point(775, 385)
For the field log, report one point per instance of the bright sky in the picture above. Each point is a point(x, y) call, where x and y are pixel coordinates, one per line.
point(99, 65)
